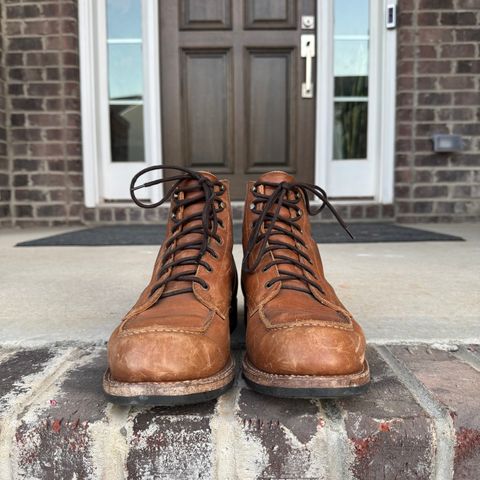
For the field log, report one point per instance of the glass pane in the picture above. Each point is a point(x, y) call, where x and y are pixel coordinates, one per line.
point(351, 86)
point(351, 17)
point(350, 130)
point(126, 133)
point(124, 19)
point(351, 67)
point(125, 72)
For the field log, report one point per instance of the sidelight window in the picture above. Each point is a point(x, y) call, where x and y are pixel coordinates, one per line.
point(350, 70)
point(125, 80)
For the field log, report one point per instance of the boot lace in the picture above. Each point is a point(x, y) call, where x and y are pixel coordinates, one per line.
point(209, 197)
point(270, 226)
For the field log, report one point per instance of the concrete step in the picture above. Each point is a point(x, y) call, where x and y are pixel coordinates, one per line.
point(419, 420)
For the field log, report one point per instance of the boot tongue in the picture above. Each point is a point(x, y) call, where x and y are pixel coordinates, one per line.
point(276, 176)
point(190, 238)
point(279, 177)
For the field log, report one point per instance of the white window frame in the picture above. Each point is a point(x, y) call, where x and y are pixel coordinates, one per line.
point(94, 95)
point(381, 109)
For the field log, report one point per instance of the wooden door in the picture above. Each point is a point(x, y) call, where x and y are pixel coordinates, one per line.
point(231, 78)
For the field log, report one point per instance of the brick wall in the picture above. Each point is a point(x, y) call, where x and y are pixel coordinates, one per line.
point(438, 92)
point(5, 191)
point(41, 170)
point(42, 75)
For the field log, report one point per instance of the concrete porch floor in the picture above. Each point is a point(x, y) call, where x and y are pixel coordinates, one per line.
point(424, 292)
point(420, 419)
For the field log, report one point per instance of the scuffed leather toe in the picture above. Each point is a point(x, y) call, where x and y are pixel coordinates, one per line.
point(307, 350)
point(164, 356)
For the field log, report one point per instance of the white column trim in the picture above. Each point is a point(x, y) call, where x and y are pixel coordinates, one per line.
point(388, 114)
point(324, 91)
point(152, 104)
point(90, 140)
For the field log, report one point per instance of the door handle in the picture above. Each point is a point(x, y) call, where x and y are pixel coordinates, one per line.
point(307, 51)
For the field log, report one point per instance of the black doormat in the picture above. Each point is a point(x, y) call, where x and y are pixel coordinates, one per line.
point(154, 234)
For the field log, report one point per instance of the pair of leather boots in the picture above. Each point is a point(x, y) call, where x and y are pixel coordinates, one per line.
point(173, 346)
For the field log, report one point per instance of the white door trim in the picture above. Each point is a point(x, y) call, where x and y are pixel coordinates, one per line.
point(94, 95)
point(89, 117)
point(382, 75)
point(93, 73)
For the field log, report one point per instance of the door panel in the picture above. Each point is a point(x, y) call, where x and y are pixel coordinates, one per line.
point(269, 83)
point(270, 14)
point(207, 14)
point(231, 99)
point(206, 109)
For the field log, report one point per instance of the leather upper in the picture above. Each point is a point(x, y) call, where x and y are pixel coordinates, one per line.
point(183, 336)
point(291, 332)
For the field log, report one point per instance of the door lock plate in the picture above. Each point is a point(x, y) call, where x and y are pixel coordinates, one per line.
point(308, 22)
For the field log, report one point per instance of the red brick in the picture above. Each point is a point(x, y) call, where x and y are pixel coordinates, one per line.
point(388, 430)
point(458, 50)
point(457, 83)
point(436, 4)
point(431, 191)
point(454, 384)
point(458, 18)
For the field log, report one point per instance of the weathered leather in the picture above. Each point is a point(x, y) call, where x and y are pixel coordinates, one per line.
point(185, 336)
point(291, 332)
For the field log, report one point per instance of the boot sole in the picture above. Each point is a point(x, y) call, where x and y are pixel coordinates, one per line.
point(306, 386)
point(169, 393)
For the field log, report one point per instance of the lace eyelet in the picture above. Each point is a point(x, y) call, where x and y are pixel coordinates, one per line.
point(252, 206)
point(207, 287)
point(221, 206)
point(268, 285)
point(176, 195)
point(264, 269)
point(254, 189)
point(173, 216)
point(297, 196)
point(222, 187)
point(299, 213)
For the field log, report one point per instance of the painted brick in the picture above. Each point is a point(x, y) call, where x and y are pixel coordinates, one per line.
point(288, 432)
point(15, 368)
point(54, 438)
point(390, 433)
point(174, 443)
point(454, 384)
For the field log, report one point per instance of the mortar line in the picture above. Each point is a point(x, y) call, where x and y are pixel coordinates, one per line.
point(224, 415)
point(222, 426)
point(468, 357)
point(339, 461)
point(443, 423)
point(112, 462)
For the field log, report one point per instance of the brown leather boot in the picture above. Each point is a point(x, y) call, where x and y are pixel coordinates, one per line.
point(301, 340)
point(173, 346)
